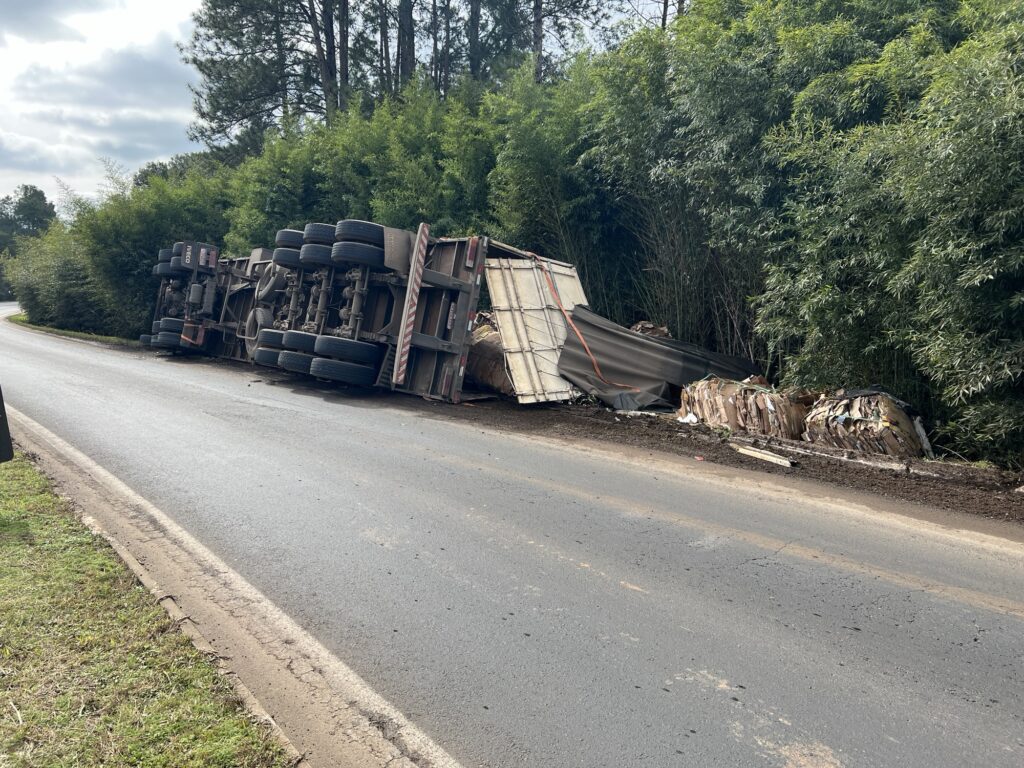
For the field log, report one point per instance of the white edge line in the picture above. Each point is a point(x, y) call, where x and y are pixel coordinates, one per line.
point(414, 741)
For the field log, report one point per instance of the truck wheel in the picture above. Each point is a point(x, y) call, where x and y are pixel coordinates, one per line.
point(156, 270)
point(289, 238)
point(347, 349)
point(172, 324)
point(370, 256)
point(165, 254)
point(319, 234)
point(264, 356)
point(356, 231)
point(271, 281)
point(177, 266)
point(348, 373)
point(258, 319)
point(166, 339)
point(145, 339)
point(296, 362)
point(178, 249)
point(268, 337)
point(314, 255)
point(155, 328)
point(164, 269)
point(287, 258)
point(300, 341)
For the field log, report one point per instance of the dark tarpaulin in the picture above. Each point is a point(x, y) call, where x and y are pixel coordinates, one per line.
point(638, 371)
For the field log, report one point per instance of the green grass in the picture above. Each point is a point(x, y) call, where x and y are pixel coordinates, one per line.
point(92, 670)
point(22, 319)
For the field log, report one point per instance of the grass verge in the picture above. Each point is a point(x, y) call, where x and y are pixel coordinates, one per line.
point(22, 319)
point(92, 670)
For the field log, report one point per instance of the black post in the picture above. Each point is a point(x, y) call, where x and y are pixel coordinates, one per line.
point(6, 449)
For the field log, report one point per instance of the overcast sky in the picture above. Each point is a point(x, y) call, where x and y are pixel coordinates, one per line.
point(85, 79)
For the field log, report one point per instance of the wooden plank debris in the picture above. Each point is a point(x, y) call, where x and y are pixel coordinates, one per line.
point(763, 455)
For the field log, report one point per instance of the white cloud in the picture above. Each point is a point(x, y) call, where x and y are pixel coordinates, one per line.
point(106, 80)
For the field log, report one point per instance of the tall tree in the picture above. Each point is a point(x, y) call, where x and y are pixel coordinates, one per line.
point(24, 214)
point(406, 50)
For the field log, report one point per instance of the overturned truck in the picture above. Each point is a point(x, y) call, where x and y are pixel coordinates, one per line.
point(367, 305)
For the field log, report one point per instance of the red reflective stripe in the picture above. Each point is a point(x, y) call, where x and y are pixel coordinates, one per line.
point(412, 299)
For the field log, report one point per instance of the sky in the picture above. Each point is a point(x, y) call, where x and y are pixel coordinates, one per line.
point(83, 80)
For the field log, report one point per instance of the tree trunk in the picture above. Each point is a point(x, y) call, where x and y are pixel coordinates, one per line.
point(473, 36)
point(435, 57)
point(327, 81)
point(385, 48)
point(281, 60)
point(446, 57)
point(538, 39)
point(664, 13)
point(330, 45)
point(406, 42)
point(344, 79)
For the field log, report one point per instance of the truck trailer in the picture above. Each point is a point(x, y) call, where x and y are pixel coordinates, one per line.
point(369, 306)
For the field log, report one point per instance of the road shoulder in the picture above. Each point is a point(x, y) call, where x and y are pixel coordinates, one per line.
point(93, 670)
point(326, 711)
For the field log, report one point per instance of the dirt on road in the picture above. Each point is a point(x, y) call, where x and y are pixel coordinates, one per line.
point(951, 486)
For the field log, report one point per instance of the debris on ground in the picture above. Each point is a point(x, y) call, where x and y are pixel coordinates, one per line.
point(750, 406)
point(870, 421)
point(763, 455)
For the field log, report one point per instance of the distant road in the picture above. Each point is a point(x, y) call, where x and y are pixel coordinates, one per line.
point(526, 603)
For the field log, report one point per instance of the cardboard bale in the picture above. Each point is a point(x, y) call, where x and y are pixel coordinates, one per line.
point(749, 406)
point(870, 422)
point(485, 365)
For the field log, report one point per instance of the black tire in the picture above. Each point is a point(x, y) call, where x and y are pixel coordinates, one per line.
point(264, 356)
point(166, 269)
point(358, 253)
point(177, 265)
point(156, 270)
point(271, 282)
point(339, 370)
point(296, 362)
point(313, 255)
point(299, 341)
point(347, 349)
point(289, 238)
point(155, 328)
point(258, 319)
point(319, 234)
point(178, 249)
point(172, 324)
point(287, 258)
point(356, 231)
point(145, 339)
point(165, 254)
point(167, 339)
point(268, 337)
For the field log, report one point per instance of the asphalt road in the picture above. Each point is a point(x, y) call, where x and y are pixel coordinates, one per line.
point(530, 604)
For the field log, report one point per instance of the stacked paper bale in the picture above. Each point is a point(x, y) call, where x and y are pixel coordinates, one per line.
point(868, 421)
point(486, 361)
point(750, 406)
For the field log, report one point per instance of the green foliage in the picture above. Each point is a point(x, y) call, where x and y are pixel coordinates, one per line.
point(53, 279)
point(832, 188)
point(123, 233)
point(25, 214)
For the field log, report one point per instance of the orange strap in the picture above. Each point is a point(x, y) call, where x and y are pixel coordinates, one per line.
point(568, 319)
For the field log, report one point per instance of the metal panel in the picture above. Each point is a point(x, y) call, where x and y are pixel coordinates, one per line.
point(528, 296)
